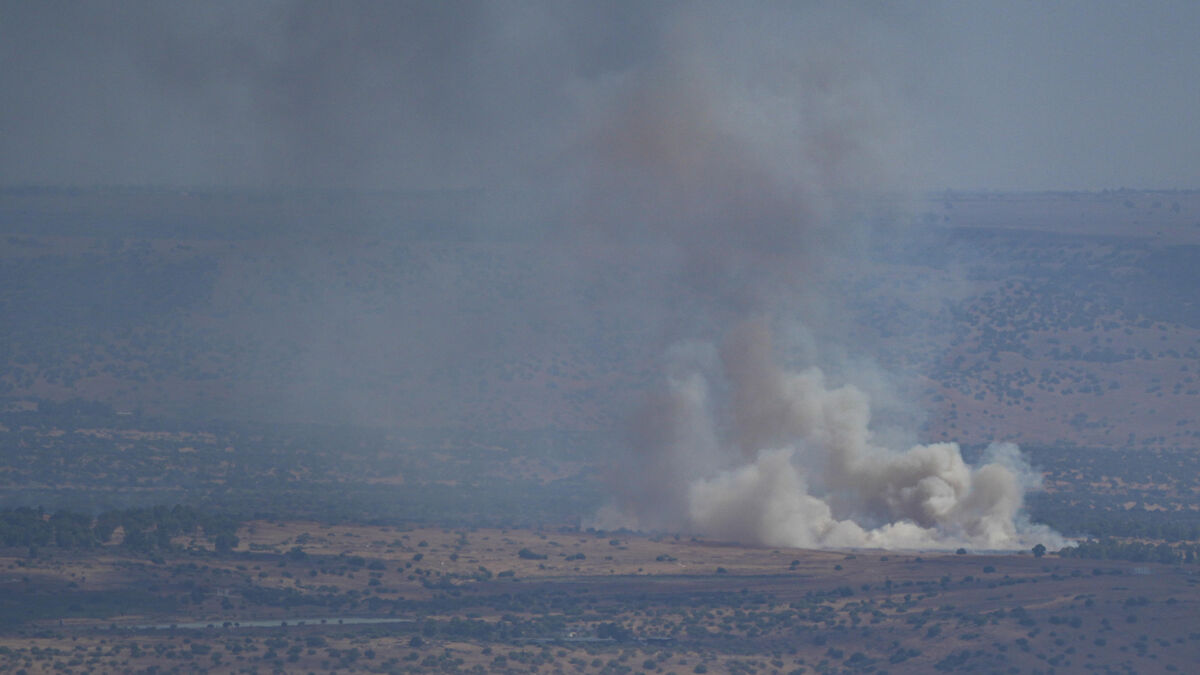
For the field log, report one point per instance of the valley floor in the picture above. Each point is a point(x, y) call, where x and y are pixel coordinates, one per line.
point(308, 597)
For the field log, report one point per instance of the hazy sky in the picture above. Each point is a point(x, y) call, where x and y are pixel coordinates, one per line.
point(999, 95)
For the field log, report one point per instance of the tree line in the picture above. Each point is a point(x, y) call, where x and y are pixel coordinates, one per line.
point(1108, 548)
point(144, 528)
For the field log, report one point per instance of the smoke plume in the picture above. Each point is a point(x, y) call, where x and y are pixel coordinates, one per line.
point(760, 171)
point(796, 464)
point(697, 165)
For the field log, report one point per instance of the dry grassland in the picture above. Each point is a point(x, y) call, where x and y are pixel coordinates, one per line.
point(485, 600)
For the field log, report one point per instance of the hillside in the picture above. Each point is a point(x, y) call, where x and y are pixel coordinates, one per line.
point(1044, 319)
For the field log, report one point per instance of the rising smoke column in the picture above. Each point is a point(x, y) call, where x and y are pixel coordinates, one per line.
point(753, 167)
point(797, 465)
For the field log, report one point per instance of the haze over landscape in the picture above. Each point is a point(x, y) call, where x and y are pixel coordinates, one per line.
point(977, 95)
point(701, 282)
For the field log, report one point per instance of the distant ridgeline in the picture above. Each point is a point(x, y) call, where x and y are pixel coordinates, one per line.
point(144, 529)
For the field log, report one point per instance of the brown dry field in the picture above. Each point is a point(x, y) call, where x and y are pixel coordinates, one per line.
point(632, 603)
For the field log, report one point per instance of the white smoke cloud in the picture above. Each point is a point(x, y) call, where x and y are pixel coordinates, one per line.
point(758, 147)
point(796, 464)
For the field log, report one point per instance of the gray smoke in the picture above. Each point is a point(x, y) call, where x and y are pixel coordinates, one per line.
point(731, 156)
point(761, 167)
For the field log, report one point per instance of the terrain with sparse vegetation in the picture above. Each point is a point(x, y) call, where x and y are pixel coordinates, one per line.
point(303, 596)
point(232, 444)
